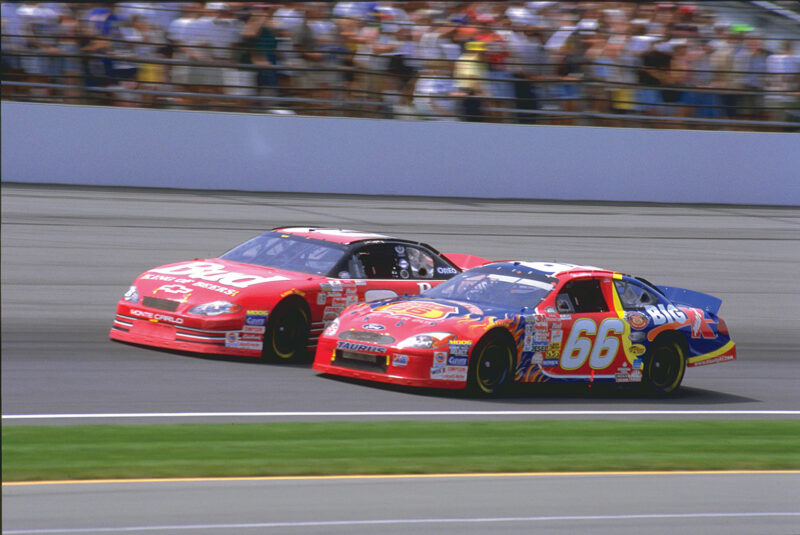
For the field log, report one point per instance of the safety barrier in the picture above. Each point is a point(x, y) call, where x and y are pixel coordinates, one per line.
point(87, 145)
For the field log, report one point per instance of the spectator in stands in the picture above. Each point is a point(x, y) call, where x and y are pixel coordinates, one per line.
point(39, 25)
point(750, 61)
point(224, 37)
point(470, 73)
point(69, 49)
point(784, 73)
point(153, 46)
point(654, 74)
point(722, 75)
point(435, 90)
point(259, 47)
point(536, 53)
point(179, 35)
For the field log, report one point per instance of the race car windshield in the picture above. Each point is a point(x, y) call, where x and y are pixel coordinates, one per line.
point(496, 285)
point(291, 253)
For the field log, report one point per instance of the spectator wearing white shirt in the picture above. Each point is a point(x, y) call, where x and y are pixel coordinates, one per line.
point(784, 71)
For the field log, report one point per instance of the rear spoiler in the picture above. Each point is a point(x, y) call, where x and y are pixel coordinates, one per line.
point(466, 261)
point(682, 296)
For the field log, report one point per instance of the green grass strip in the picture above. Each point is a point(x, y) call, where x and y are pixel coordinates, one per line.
point(275, 449)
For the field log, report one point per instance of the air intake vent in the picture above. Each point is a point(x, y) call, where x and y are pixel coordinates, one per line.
point(367, 336)
point(161, 304)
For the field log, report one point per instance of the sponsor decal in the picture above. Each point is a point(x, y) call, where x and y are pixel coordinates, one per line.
point(460, 348)
point(637, 320)
point(399, 249)
point(373, 327)
point(446, 270)
point(715, 360)
point(637, 364)
point(537, 357)
point(179, 289)
point(424, 286)
point(427, 310)
point(251, 336)
point(213, 272)
point(637, 349)
point(354, 346)
point(254, 329)
point(549, 363)
point(156, 317)
point(439, 359)
point(255, 321)
point(404, 274)
point(321, 298)
point(450, 373)
point(662, 314)
point(251, 345)
point(554, 350)
point(403, 263)
point(257, 312)
point(637, 336)
point(400, 361)
point(540, 336)
point(152, 277)
point(231, 339)
point(556, 335)
point(453, 360)
point(670, 317)
point(215, 287)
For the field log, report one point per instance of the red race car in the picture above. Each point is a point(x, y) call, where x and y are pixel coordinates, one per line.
point(529, 322)
point(273, 295)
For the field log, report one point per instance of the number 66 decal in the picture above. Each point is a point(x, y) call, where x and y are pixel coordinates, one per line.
point(580, 347)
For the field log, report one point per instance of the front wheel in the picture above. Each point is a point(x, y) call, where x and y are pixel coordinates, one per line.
point(664, 366)
point(286, 336)
point(490, 366)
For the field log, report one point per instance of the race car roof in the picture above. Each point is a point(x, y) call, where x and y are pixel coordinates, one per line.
point(338, 235)
point(554, 269)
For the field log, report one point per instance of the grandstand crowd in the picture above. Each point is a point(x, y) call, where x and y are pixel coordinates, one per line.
point(557, 62)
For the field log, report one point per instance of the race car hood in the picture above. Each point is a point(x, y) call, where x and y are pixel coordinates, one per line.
point(202, 281)
point(406, 316)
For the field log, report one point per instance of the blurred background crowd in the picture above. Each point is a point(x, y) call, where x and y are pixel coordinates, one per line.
point(719, 65)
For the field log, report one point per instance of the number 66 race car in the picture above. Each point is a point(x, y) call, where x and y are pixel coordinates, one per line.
point(272, 296)
point(529, 322)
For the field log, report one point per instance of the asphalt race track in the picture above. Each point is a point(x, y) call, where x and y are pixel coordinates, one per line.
point(68, 254)
point(602, 504)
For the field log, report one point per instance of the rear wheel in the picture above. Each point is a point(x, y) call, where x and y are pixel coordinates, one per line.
point(490, 365)
point(286, 336)
point(664, 366)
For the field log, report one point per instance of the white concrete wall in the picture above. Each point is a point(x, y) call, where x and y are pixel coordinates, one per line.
point(178, 149)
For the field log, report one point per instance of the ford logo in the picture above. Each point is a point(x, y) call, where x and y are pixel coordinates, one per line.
point(373, 327)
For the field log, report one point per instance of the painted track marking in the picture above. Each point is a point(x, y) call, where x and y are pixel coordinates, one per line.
point(317, 414)
point(399, 521)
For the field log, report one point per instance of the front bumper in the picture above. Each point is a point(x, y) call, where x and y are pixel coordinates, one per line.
point(405, 367)
point(225, 336)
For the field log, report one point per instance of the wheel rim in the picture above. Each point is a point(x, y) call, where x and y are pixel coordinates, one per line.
point(286, 334)
point(665, 367)
point(492, 368)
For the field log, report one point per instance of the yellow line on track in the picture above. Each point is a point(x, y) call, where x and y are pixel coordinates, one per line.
point(395, 476)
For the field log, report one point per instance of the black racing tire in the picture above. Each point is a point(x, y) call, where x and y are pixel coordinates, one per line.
point(664, 365)
point(491, 365)
point(286, 334)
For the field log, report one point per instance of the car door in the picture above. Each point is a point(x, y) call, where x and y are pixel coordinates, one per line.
point(380, 270)
point(586, 341)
